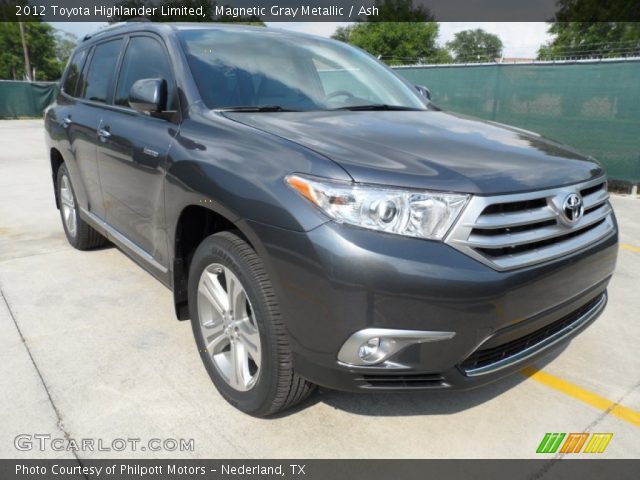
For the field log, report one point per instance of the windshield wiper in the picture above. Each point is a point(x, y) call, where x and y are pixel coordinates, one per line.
point(376, 106)
point(258, 108)
point(278, 108)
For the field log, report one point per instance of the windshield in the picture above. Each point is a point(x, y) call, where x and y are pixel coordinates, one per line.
point(245, 69)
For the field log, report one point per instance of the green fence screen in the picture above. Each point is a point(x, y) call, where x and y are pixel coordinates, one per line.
point(594, 107)
point(25, 99)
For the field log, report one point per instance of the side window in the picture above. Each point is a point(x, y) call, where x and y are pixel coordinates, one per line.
point(144, 58)
point(98, 77)
point(73, 72)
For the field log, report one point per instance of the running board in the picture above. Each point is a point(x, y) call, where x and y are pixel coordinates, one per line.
point(124, 241)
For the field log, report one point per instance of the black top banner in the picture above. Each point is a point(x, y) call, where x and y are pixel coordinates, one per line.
point(322, 10)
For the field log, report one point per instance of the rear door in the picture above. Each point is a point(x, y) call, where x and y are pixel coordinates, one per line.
point(77, 144)
point(83, 119)
point(132, 150)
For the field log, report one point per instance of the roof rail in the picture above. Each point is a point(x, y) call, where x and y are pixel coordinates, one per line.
point(113, 26)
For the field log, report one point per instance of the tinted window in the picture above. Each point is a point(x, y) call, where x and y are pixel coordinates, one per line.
point(73, 73)
point(103, 64)
point(145, 58)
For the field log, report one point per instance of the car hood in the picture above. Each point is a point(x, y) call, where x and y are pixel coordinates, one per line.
point(430, 149)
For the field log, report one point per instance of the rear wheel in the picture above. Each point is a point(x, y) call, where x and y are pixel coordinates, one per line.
point(79, 233)
point(238, 328)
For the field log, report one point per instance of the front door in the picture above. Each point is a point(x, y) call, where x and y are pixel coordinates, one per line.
point(132, 149)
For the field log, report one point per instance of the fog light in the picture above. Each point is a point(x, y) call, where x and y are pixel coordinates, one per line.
point(372, 346)
point(369, 350)
point(376, 349)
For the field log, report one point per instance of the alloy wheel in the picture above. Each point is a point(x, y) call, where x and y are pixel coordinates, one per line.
point(68, 206)
point(228, 327)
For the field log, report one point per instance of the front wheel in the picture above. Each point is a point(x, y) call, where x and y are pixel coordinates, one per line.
point(238, 328)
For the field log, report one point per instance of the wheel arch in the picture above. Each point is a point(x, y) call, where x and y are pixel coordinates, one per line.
point(194, 224)
point(56, 159)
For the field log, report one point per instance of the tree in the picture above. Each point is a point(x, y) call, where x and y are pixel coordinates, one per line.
point(65, 43)
point(343, 33)
point(475, 45)
point(28, 72)
point(41, 44)
point(400, 33)
point(591, 39)
point(398, 43)
point(441, 55)
point(588, 28)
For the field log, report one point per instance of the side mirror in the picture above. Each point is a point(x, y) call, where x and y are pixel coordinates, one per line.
point(149, 95)
point(424, 91)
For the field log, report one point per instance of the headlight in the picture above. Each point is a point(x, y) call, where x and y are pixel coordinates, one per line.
point(413, 213)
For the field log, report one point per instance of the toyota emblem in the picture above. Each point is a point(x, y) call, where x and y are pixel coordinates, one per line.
point(573, 208)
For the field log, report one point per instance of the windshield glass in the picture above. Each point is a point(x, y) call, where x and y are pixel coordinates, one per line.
point(243, 69)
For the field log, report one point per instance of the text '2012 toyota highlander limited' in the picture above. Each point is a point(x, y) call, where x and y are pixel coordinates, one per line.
point(318, 219)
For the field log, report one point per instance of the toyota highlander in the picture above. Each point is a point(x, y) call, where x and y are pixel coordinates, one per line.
point(318, 219)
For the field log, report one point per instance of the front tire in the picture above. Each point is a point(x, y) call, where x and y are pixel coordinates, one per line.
point(238, 328)
point(79, 233)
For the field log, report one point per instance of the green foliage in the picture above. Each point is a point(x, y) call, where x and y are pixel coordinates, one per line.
point(584, 28)
point(442, 55)
point(591, 39)
point(41, 42)
point(396, 42)
point(475, 45)
point(343, 33)
point(400, 33)
point(65, 43)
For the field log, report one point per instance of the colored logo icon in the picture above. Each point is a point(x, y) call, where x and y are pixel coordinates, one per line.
point(574, 443)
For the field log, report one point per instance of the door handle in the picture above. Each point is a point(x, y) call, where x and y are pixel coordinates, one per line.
point(66, 122)
point(103, 133)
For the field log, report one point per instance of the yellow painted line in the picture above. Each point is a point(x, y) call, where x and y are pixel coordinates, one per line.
point(630, 247)
point(579, 393)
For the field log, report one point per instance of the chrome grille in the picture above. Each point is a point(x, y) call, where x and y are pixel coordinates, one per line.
point(513, 231)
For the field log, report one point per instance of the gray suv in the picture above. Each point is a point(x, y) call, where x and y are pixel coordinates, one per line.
point(318, 219)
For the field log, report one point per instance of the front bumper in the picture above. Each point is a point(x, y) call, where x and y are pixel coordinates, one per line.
point(336, 280)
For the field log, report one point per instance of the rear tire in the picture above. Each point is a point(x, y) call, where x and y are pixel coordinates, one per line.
point(79, 233)
point(225, 271)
